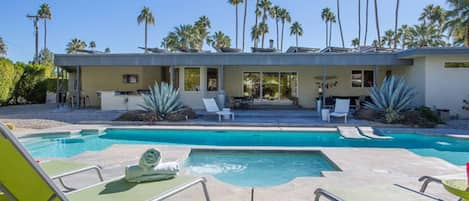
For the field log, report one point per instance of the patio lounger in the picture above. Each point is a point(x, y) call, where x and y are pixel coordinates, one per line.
point(212, 107)
point(438, 179)
point(370, 192)
point(21, 178)
point(58, 169)
point(341, 109)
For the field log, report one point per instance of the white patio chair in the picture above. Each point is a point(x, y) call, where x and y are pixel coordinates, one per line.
point(212, 107)
point(341, 109)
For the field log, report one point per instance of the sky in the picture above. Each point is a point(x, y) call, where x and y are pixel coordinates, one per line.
point(113, 23)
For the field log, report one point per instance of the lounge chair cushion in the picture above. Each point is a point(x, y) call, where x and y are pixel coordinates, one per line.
point(338, 114)
point(122, 190)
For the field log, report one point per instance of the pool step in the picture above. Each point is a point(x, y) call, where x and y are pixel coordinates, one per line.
point(350, 132)
point(369, 132)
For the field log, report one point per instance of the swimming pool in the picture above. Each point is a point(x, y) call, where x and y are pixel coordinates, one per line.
point(258, 168)
point(452, 150)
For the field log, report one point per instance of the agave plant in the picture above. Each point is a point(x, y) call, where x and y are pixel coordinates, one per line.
point(162, 100)
point(393, 97)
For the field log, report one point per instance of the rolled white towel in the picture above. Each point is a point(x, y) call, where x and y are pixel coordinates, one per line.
point(166, 168)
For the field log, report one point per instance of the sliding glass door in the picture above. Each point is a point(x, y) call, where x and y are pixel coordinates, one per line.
point(270, 86)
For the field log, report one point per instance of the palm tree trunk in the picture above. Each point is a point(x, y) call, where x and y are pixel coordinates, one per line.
point(45, 33)
point(377, 23)
point(236, 25)
point(257, 21)
point(146, 28)
point(340, 23)
point(297, 40)
point(330, 33)
point(467, 36)
point(327, 35)
point(395, 24)
point(359, 22)
point(283, 30)
point(276, 21)
point(244, 21)
point(366, 23)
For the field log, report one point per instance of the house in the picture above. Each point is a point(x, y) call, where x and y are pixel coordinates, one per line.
point(115, 81)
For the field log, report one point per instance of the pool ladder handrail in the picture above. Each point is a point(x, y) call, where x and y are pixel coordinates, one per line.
point(321, 192)
point(427, 180)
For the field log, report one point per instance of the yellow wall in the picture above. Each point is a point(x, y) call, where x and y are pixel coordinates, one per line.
point(307, 83)
point(94, 79)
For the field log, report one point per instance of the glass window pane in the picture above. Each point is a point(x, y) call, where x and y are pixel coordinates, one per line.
point(270, 86)
point(252, 85)
point(191, 79)
point(457, 65)
point(212, 79)
point(130, 79)
point(288, 85)
point(357, 78)
point(368, 78)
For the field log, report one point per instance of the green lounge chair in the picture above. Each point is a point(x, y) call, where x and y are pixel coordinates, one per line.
point(22, 179)
point(59, 169)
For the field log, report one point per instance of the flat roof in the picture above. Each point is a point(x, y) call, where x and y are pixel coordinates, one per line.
point(402, 58)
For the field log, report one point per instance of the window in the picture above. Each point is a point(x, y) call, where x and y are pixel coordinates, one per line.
point(363, 78)
point(212, 79)
point(130, 79)
point(357, 78)
point(457, 65)
point(191, 79)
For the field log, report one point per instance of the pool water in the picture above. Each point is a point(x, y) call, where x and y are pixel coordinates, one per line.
point(452, 150)
point(258, 168)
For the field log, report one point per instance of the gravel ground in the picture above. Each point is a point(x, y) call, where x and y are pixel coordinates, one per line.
point(42, 116)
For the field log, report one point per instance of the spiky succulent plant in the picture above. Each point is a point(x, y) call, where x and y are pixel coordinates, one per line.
point(162, 100)
point(393, 97)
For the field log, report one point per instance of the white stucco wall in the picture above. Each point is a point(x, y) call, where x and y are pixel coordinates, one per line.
point(415, 77)
point(446, 88)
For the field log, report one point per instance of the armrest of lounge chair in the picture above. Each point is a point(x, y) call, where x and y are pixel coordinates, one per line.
point(201, 180)
point(427, 180)
point(321, 192)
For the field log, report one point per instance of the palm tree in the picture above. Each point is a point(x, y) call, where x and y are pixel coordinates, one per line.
point(439, 17)
point(236, 3)
point(395, 23)
point(285, 17)
point(426, 14)
point(404, 33)
point(258, 13)
point(275, 14)
point(359, 21)
point(45, 14)
point(74, 45)
point(244, 21)
point(92, 45)
point(340, 24)
point(265, 6)
point(388, 38)
point(255, 34)
point(171, 42)
point(366, 23)
point(377, 22)
point(107, 50)
point(219, 40)
point(184, 33)
point(325, 16)
point(3, 47)
point(296, 30)
point(458, 22)
point(332, 20)
point(146, 17)
point(202, 26)
point(356, 42)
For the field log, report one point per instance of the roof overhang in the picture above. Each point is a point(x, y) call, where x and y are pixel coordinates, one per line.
point(232, 59)
point(420, 52)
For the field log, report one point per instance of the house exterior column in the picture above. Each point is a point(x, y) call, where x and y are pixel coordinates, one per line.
point(221, 96)
point(57, 90)
point(171, 75)
point(323, 89)
point(78, 87)
point(376, 75)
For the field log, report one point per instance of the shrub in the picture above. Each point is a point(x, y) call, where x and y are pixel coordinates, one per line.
point(31, 84)
point(393, 97)
point(430, 115)
point(7, 77)
point(162, 100)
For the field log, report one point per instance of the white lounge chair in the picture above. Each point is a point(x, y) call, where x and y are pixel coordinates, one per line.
point(212, 107)
point(341, 109)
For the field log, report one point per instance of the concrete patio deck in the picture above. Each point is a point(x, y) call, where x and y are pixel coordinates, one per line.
point(362, 168)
